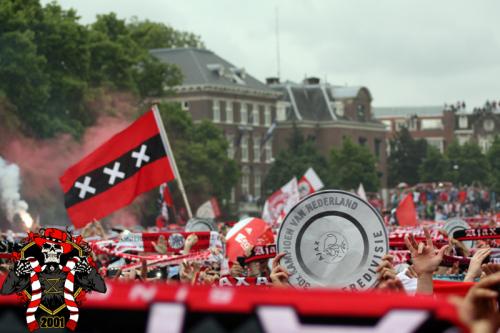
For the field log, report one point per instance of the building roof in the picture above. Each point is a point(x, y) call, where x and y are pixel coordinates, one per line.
point(340, 92)
point(314, 102)
point(204, 67)
point(406, 111)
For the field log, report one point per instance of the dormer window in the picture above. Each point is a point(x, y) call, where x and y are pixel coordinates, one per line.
point(338, 106)
point(361, 112)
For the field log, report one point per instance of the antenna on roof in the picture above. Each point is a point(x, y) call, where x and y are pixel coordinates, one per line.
point(277, 44)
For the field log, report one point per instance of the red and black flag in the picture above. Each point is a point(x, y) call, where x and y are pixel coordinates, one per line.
point(130, 163)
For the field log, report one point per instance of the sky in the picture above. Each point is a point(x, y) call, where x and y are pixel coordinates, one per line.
point(406, 52)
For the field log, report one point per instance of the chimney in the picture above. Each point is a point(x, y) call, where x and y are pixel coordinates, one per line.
point(311, 80)
point(272, 80)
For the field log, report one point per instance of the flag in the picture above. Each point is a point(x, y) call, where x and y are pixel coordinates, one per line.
point(361, 192)
point(309, 183)
point(132, 162)
point(280, 202)
point(245, 234)
point(269, 133)
point(406, 213)
point(209, 209)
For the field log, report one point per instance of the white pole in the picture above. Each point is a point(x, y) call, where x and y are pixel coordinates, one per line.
point(170, 155)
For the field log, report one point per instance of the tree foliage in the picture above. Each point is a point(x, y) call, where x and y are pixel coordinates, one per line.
point(435, 167)
point(294, 162)
point(405, 158)
point(493, 157)
point(352, 165)
point(201, 154)
point(50, 63)
point(468, 164)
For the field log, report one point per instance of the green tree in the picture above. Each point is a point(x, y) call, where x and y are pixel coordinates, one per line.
point(294, 162)
point(154, 35)
point(351, 165)
point(201, 154)
point(435, 167)
point(406, 156)
point(493, 156)
point(467, 164)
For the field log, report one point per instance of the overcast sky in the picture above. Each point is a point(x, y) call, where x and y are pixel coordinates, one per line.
point(407, 52)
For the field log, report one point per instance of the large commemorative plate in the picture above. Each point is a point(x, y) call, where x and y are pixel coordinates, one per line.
point(200, 224)
point(456, 224)
point(332, 238)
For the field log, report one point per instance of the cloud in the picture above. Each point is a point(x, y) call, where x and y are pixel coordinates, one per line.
point(406, 52)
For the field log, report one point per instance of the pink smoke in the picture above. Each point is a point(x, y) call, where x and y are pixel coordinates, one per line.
point(42, 162)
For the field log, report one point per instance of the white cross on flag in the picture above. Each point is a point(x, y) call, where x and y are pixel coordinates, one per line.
point(130, 163)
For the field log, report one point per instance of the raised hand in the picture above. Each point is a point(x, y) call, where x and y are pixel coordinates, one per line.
point(160, 247)
point(279, 275)
point(425, 257)
point(474, 270)
point(479, 309)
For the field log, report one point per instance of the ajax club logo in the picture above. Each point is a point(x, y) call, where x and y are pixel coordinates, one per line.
point(331, 247)
point(52, 272)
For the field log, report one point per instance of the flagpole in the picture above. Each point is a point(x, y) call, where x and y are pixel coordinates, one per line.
point(171, 157)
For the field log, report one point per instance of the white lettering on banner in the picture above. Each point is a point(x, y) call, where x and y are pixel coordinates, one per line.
point(145, 293)
point(277, 319)
point(262, 280)
point(181, 294)
point(240, 281)
point(245, 244)
point(221, 296)
point(166, 318)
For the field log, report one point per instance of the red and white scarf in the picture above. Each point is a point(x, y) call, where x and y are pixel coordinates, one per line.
point(36, 293)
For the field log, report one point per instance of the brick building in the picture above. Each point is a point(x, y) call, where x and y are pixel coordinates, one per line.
point(428, 122)
point(242, 106)
point(440, 126)
point(481, 125)
point(329, 113)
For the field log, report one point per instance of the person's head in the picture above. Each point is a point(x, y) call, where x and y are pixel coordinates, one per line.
point(258, 268)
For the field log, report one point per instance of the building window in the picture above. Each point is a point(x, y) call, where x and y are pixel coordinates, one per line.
point(244, 148)
point(463, 122)
point(339, 108)
point(256, 184)
point(413, 123)
point(388, 124)
point(216, 111)
point(230, 147)
point(432, 123)
point(361, 112)
point(185, 106)
point(267, 116)
point(362, 141)
point(233, 195)
point(229, 112)
point(244, 113)
point(400, 123)
point(436, 142)
point(245, 180)
point(256, 150)
point(280, 112)
point(378, 144)
point(256, 118)
point(269, 151)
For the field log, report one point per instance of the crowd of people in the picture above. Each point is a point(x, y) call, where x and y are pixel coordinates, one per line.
point(441, 201)
point(260, 264)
